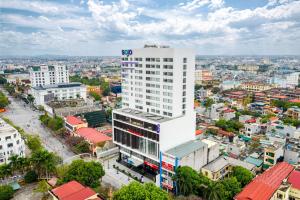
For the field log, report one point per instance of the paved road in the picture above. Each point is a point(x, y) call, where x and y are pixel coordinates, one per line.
point(23, 116)
point(28, 119)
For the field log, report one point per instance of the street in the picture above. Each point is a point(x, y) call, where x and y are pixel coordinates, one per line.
point(26, 118)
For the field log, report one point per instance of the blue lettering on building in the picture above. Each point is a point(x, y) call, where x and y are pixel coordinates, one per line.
point(127, 52)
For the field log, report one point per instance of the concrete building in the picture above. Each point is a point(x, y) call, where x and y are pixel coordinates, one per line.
point(222, 166)
point(157, 111)
point(256, 87)
point(272, 154)
point(11, 142)
point(202, 76)
point(273, 184)
point(48, 75)
point(292, 151)
point(46, 93)
point(293, 79)
point(293, 112)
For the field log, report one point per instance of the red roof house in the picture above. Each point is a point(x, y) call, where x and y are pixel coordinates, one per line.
point(294, 179)
point(92, 135)
point(73, 123)
point(74, 191)
point(265, 185)
point(295, 100)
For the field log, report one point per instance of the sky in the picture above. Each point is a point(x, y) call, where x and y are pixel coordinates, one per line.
point(103, 28)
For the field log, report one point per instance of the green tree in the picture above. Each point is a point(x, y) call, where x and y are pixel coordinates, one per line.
point(231, 186)
point(5, 170)
point(87, 173)
point(138, 191)
point(33, 143)
point(30, 177)
point(42, 187)
point(242, 175)
point(44, 162)
point(208, 102)
point(187, 179)
point(105, 88)
point(96, 96)
point(6, 192)
point(83, 147)
point(214, 191)
point(3, 100)
point(30, 98)
point(2, 80)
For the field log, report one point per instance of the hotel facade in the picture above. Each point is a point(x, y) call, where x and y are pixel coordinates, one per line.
point(157, 113)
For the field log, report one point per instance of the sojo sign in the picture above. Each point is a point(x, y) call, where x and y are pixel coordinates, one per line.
point(127, 52)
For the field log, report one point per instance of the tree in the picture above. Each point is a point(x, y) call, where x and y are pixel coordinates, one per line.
point(189, 181)
point(214, 191)
point(96, 96)
point(42, 187)
point(33, 143)
point(215, 90)
point(87, 173)
point(2, 80)
point(5, 170)
point(3, 101)
point(208, 102)
point(105, 88)
point(83, 147)
point(242, 175)
point(138, 191)
point(231, 186)
point(30, 98)
point(30, 177)
point(6, 192)
point(44, 162)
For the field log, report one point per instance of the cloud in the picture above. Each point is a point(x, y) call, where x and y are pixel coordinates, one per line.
point(130, 22)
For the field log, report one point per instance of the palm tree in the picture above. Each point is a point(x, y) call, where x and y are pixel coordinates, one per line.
point(213, 191)
point(14, 164)
point(5, 170)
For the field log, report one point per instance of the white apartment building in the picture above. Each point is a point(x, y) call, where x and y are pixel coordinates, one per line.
point(11, 142)
point(47, 93)
point(293, 79)
point(157, 111)
point(48, 75)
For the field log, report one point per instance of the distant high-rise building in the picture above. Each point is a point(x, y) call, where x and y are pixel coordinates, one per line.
point(48, 75)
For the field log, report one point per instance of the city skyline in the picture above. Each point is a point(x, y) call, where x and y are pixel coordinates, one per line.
point(102, 28)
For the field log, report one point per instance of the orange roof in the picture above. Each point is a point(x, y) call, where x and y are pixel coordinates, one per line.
point(272, 119)
point(73, 191)
point(280, 97)
point(294, 179)
point(295, 100)
point(74, 120)
point(199, 132)
point(92, 135)
point(263, 186)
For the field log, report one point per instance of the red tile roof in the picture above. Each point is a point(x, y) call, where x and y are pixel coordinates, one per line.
point(294, 179)
point(263, 186)
point(295, 100)
point(74, 120)
point(92, 135)
point(252, 120)
point(199, 132)
point(73, 191)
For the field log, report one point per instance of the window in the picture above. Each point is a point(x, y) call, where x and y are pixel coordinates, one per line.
point(10, 145)
point(184, 60)
point(168, 59)
point(157, 59)
point(168, 66)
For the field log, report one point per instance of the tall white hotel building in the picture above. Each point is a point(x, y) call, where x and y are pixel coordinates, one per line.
point(157, 114)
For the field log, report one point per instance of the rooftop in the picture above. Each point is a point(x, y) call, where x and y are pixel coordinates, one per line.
point(92, 135)
point(60, 85)
point(74, 120)
point(143, 115)
point(263, 186)
point(254, 161)
point(294, 179)
point(73, 191)
point(185, 149)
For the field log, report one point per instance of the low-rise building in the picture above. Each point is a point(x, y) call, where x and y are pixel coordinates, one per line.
point(73, 190)
point(281, 182)
point(255, 86)
point(293, 112)
point(95, 138)
point(292, 151)
point(272, 154)
point(73, 123)
point(11, 142)
point(222, 166)
point(62, 91)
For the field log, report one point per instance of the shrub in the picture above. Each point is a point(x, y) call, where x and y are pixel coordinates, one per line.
point(31, 177)
point(6, 192)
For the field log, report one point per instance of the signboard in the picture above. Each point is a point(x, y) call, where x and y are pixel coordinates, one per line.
point(126, 52)
point(158, 128)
